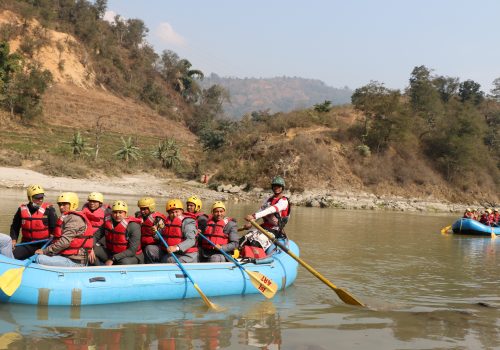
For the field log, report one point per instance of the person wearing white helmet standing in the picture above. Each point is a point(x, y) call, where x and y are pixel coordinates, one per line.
point(36, 220)
point(73, 236)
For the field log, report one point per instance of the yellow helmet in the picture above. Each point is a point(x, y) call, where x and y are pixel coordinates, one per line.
point(147, 202)
point(468, 210)
point(34, 190)
point(119, 206)
point(495, 210)
point(489, 211)
point(69, 197)
point(96, 196)
point(196, 201)
point(174, 204)
point(218, 204)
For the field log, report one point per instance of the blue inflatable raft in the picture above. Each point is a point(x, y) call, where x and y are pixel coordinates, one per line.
point(48, 285)
point(473, 227)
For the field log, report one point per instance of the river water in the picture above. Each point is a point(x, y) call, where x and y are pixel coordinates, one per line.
point(423, 290)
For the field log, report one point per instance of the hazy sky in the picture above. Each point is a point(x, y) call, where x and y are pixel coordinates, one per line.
point(343, 43)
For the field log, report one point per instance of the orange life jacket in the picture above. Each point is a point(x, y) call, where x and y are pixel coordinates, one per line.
point(116, 238)
point(172, 233)
point(33, 226)
point(147, 235)
point(95, 217)
point(85, 241)
point(215, 233)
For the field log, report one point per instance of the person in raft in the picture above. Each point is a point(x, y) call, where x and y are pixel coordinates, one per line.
point(179, 233)
point(149, 220)
point(94, 209)
point(36, 220)
point(275, 210)
point(73, 236)
point(222, 231)
point(123, 238)
point(193, 209)
point(468, 214)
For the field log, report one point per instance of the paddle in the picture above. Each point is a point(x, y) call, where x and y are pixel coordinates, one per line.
point(445, 229)
point(203, 296)
point(32, 242)
point(345, 296)
point(11, 279)
point(264, 284)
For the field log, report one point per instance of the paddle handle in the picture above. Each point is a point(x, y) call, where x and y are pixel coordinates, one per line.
point(32, 242)
point(222, 251)
point(158, 234)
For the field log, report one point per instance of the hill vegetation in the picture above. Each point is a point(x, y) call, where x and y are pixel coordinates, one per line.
point(280, 94)
point(82, 96)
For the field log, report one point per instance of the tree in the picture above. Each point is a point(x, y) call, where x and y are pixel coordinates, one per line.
point(380, 107)
point(446, 86)
point(128, 151)
point(469, 90)
point(324, 107)
point(78, 145)
point(168, 152)
point(495, 92)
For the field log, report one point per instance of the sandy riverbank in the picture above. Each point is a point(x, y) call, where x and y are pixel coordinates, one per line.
point(148, 185)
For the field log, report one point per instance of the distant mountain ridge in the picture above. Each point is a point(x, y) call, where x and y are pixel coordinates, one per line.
point(279, 94)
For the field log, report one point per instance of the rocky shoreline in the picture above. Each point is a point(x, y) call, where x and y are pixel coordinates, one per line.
point(148, 185)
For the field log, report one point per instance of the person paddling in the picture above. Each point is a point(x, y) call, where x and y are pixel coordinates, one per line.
point(36, 220)
point(179, 233)
point(73, 236)
point(149, 220)
point(275, 210)
point(222, 231)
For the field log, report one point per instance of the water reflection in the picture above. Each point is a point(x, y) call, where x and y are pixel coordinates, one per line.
point(158, 325)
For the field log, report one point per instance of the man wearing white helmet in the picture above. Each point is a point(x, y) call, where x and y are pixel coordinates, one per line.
point(73, 236)
point(36, 220)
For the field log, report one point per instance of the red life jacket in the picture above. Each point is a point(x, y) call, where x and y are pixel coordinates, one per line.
point(147, 235)
point(469, 215)
point(215, 233)
point(33, 227)
point(95, 217)
point(85, 241)
point(249, 251)
point(172, 233)
point(282, 216)
point(116, 239)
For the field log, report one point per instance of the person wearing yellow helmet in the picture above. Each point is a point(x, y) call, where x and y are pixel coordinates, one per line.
point(275, 211)
point(123, 238)
point(468, 214)
point(179, 232)
point(222, 231)
point(150, 218)
point(73, 236)
point(95, 210)
point(487, 218)
point(36, 221)
point(193, 209)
